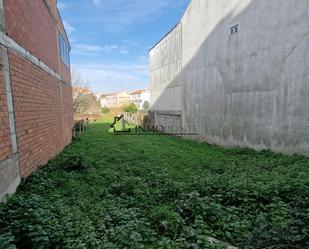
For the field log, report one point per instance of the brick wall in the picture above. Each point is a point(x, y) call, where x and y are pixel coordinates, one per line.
point(65, 72)
point(68, 118)
point(5, 145)
point(42, 99)
point(38, 114)
point(30, 24)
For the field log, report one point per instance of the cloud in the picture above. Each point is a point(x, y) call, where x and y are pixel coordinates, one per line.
point(130, 42)
point(96, 2)
point(88, 48)
point(62, 6)
point(68, 27)
point(123, 51)
point(116, 14)
point(114, 77)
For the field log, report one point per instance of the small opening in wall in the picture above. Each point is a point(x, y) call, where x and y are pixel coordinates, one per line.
point(234, 29)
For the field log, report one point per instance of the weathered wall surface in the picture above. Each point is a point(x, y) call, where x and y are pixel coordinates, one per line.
point(165, 66)
point(166, 87)
point(251, 88)
point(5, 145)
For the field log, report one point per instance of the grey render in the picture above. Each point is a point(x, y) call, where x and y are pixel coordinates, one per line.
point(247, 89)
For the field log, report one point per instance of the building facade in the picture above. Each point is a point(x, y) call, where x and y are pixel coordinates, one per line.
point(238, 72)
point(140, 97)
point(115, 100)
point(36, 112)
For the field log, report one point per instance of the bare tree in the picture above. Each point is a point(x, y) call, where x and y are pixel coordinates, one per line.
point(80, 89)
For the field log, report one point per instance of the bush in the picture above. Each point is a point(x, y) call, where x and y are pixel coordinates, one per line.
point(130, 108)
point(77, 162)
point(111, 192)
point(105, 110)
point(146, 106)
point(166, 221)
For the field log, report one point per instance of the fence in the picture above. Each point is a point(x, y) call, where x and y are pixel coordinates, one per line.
point(140, 118)
point(90, 117)
point(80, 127)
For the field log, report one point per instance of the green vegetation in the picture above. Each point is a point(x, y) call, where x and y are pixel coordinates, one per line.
point(108, 191)
point(105, 110)
point(130, 108)
point(146, 106)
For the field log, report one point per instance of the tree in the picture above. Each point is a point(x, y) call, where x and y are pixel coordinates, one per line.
point(131, 108)
point(80, 89)
point(105, 110)
point(146, 106)
point(88, 104)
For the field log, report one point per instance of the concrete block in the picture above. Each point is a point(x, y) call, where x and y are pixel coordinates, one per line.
point(10, 177)
point(14, 143)
point(12, 123)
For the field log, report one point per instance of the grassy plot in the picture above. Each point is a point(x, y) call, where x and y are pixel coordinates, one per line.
point(109, 191)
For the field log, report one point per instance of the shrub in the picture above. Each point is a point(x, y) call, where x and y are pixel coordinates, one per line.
point(130, 108)
point(105, 110)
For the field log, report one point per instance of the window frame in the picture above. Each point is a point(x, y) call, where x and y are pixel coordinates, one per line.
point(64, 50)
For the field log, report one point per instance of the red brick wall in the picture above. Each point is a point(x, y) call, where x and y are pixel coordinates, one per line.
point(68, 112)
point(42, 104)
point(31, 25)
point(38, 113)
point(5, 144)
point(65, 73)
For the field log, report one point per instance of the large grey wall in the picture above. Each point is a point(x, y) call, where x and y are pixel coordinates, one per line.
point(165, 66)
point(250, 89)
point(166, 94)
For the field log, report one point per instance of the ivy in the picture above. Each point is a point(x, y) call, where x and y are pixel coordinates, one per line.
point(107, 191)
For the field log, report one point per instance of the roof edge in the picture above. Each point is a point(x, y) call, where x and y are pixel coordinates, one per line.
point(171, 30)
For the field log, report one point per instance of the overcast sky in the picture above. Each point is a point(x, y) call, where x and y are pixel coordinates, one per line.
point(110, 39)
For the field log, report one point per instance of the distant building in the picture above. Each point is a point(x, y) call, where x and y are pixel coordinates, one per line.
point(77, 91)
point(98, 96)
point(140, 97)
point(115, 100)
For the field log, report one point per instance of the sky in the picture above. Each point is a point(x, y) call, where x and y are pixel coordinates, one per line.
point(110, 39)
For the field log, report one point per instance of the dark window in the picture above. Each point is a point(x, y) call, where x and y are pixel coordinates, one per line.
point(234, 29)
point(64, 50)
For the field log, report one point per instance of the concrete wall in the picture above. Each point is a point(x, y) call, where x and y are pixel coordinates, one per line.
point(248, 89)
point(165, 66)
point(166, 95)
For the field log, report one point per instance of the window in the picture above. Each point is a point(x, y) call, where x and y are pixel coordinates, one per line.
point(64, 50)
point(234, 29)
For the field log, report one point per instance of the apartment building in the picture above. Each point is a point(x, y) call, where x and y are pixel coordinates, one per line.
point(141, 98)
point(115, 100)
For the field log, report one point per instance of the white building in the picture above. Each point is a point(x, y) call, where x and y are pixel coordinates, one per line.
point(140, 97)
point(115, 100)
